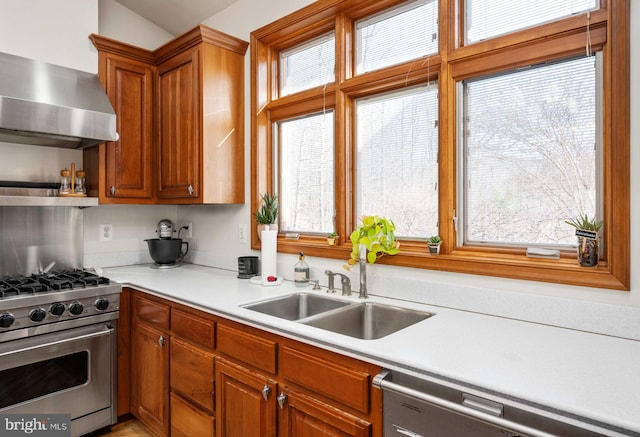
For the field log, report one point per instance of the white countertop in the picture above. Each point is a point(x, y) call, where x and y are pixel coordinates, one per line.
point(573, 373)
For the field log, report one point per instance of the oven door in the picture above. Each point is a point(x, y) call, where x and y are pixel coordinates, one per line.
point(65, 372)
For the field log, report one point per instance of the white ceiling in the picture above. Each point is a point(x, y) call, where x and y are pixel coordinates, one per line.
point(176, 16)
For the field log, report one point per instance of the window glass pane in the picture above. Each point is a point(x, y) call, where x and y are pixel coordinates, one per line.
point(307, 173)
point(488, 18)
point(308, 65)
point(379, 43)
point(530, 151)
point(396, 159)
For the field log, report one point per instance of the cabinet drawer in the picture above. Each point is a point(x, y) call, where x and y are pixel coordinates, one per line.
point(247, 348)
point(152, 312)
point(193, 328)
point(189, 421)
point(350, 387)
point(191, 373)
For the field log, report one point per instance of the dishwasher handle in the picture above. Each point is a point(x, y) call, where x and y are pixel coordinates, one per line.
point(463, 409)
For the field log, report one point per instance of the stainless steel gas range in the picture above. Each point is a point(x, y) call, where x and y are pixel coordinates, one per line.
point(58, 333)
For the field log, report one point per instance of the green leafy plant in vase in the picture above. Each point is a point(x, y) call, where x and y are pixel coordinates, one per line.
point(587, 230)
point(434, 243)
point(267, 215)
point(376, 237)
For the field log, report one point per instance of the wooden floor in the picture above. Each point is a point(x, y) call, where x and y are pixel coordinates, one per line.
point(130, 428)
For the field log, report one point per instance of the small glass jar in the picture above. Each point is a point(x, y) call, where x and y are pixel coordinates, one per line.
point(65, 181)
point(80, 182)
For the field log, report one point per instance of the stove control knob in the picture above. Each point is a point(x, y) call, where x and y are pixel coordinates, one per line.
point(37, 315)
point(6, 320)
point(101, 303)
point(76, 308)
point(56, 308)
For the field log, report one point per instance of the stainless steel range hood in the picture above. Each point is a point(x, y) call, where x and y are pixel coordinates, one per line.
point(48, 105)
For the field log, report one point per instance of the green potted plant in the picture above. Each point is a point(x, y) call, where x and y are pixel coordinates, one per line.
point(587, 230)
point(333, 238)
point(267, 215)
point(376, 237)
point(434, 243)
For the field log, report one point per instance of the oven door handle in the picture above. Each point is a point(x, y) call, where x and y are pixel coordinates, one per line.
point(85, 334)
point(482, 416)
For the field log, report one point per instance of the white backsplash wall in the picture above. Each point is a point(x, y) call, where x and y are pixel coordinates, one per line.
point(131, 225)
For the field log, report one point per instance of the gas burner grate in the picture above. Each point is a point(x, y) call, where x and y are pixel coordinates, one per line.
point(49, 282)
point(21, 285)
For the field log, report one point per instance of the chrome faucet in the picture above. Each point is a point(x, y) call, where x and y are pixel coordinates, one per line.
point(346, 284)
point(363, 271)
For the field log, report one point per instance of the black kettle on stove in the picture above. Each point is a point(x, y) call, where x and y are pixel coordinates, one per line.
point(167, 251)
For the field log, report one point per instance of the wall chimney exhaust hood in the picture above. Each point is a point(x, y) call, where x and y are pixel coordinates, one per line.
point(48, 105)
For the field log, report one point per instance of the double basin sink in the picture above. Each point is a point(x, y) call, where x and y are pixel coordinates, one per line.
point(367, 320)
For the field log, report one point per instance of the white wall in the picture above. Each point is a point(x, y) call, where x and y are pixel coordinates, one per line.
point(120, 23)
point(604, 311)
point(51, 31)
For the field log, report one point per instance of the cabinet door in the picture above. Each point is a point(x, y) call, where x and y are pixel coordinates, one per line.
point(191, 373)
point(301, 415)
point(178, 121)
point(150, 394)
point(128, 161)
point(245, 402)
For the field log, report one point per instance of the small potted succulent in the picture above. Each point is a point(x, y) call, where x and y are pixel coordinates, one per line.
point(587, 230)
point(333, 238)
point(434, 243)
point(375, 236)
point(267, 214)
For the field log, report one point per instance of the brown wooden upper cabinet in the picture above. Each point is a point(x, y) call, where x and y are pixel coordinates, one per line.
point(180, 119)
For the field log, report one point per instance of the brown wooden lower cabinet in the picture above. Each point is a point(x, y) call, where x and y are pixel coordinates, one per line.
point(150, 378)
point(301, 415)
point(229, 379)
point(245, 400)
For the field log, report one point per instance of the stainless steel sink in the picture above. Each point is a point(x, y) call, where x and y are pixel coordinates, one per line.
point(296, 306)
point(368, 321)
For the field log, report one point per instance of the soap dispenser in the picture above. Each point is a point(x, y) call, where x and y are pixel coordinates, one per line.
point(301, 272)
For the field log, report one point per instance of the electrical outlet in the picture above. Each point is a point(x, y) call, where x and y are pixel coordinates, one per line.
point(187, 230)
point(106, 232)
point(242, 232)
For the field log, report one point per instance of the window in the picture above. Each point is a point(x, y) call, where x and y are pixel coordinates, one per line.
point(308, 65)
point(306, 190)
point(379, 44)
point(479, 122)
point(488, 18)
point(397, 159)
point(530, 138)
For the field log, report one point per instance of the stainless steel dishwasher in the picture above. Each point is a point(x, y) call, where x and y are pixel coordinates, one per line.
point(415, 407)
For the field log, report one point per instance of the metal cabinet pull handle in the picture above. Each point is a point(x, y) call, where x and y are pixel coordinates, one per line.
point(190, 189)
point(112, 190)
point(161, 341)
point(282, 399)
point(266, 391)
point(404, 431)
